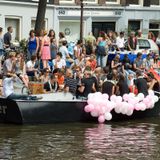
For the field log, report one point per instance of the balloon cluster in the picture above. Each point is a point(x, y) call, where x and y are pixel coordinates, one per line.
point(99, 105)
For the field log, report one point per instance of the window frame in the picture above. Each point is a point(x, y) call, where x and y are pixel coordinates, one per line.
point(139, 3)
point(38, 1)
point(89, 2)
point(117, 2)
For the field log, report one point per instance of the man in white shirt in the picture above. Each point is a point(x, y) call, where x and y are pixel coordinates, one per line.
point(63, 49)
point(31, 67)
point(120, 42)
point(8, 89)
point(59, 62)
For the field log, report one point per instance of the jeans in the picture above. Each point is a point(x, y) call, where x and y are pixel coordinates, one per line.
point(102, 60)
point(30, 53)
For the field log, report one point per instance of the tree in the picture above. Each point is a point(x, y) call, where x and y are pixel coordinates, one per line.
point(40, 16)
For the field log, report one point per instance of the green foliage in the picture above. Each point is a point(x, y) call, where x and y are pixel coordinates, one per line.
point(23, 45)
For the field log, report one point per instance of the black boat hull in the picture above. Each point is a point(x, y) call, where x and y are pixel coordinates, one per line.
point(39, 112)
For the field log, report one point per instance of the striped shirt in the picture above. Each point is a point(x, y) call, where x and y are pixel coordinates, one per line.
point(72, 84)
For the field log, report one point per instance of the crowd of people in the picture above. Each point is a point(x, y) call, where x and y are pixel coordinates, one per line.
point(83, 69)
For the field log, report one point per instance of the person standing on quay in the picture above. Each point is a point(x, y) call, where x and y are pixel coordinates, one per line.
point(45, 50)
point(53, 46)
point(8, 37)
point(33, 44)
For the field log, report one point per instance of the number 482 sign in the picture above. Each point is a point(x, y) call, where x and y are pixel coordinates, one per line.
point(61, 12)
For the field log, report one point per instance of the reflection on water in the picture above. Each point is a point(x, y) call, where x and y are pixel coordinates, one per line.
point(118, 141)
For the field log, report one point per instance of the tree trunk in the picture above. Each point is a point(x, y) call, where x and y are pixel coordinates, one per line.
point(40, 16)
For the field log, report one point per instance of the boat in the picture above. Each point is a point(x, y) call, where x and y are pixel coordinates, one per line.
point(58, 108)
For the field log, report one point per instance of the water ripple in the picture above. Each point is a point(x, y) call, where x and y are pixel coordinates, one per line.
point(120, 141)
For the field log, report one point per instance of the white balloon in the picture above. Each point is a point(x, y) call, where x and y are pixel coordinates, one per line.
point(113, 98)
point(140, 96)
point(156, 99)
point(119, 99)
point(117, 110)
point(151, 92)
point(129, 112)
point(94, 114)
point(137, 99)
point(143, 107)
point(131, 95)
point(108, 116)
point(90, 96)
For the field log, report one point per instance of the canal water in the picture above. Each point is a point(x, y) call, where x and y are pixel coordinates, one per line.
point(133, 140)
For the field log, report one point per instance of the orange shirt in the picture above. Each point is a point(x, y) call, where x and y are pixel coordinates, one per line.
point(61, 80)
point(92, 64)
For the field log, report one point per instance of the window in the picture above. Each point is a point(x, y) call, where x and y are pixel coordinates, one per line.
point(113, 1)
point(130, 2)
point(154, 27)
point(33, 22)
point(66, 1)
point(143, 44)
point(90, 1)
point(155, 2)
point(134, 25)
point(38, 1)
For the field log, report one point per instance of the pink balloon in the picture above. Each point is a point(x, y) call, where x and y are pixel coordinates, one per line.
point(97, 108)
point(131, 106)
point(126, 97)
point(103, 102)
point(132, 101)
point(105, 96)
point(137, 107)
point(145, 101)
point(87, 108)
point(89, 101)
point(149, 97)
point(101, 119)
point(143, 106)
point(102, 110)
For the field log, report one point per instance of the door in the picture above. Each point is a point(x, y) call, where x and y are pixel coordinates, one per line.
point(102, 26)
